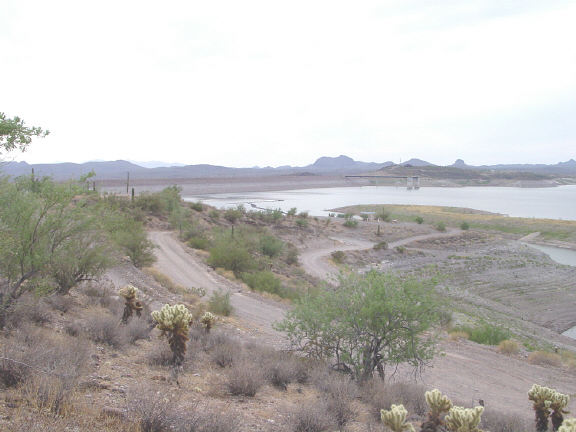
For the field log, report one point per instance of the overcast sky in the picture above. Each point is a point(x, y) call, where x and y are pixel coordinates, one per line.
point(243, 83)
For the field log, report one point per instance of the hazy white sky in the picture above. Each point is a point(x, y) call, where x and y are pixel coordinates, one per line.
point(268, 82)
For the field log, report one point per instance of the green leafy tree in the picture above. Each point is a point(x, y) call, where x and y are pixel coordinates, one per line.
point(366, 323)
point(15, 135)
point(48, 238)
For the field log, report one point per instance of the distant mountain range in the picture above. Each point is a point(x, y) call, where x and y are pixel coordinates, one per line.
point(341, 165)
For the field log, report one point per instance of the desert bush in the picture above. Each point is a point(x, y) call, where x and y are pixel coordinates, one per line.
point(381, 245)
point(226, 354)
point(60, 303)
point(103, 328)
point(244, 379)
point(310, 417)
point(152, 409)
point(197, 206)
point(159, 355)
point(485, 334)
point(266, 281)
point(271, 246)
point(338, 394)
point(365, 216)
point(301, 223)
point(137, 330)
point(198, 242)
point(338, 256)
point(545, 358)
point(457, 335)
point(214, 215)
point(419, 220)
point(496, 421)
point(291, 256)
point(350, 223)
point(508, 347)
point(206, 419)
point(73, 328)
point(400, 249)
point(441, 226)
point(232, 256)
point(51, 393)
point(27, 309)
point(465, 226)
point(380, 395)
point(382, 215)
point(219, 303)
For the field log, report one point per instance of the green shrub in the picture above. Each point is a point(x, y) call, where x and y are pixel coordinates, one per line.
point(271, 246)
point(485, 333)
point(419, 220)
point(232, 256)
point(197, 206)
point(291, 256)
point(303, 215)
point(351, 223)
point(383, 215)
point(465, 226)
point(292, 212)
point(365, 217)
point(381, 245)
point(338, 256)
point(199, 243)
point(301, 223)
point(219, 303)
point(263, 281)
point(214, 215)
point(441, 226)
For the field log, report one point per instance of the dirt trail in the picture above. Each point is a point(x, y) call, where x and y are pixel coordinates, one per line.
point(186, 269)
point(315, 259)
point(467, 372)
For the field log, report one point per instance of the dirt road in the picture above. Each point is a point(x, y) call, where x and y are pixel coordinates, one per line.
point(467, 372)
point(315, 259)
point(186, 269)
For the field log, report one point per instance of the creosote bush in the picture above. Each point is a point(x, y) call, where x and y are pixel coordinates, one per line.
point(244, 379)
point(545, 358)
point(219, 303)
point(508, 347)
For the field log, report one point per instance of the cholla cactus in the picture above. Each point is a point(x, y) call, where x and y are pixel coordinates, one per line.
point(569, 425)
point(438, 404)
point(395, 419)
point(174, 322)
point(131, 303)
point(464, 419)
point(208, 320)
point(545, 399)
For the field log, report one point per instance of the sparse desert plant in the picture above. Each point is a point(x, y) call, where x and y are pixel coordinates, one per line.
point(395, 419)
point(173, 322)
point(441, 226)
point(365, 216)
point(131, 303)
point(219, 303)
point(464, 226)
point(419, 220)
point(508, 347)
point(351, 223)
point(101, 327)
point(244, 379)
point(153, 410)
point(381, 245)
point(484, 333)
point(271, 246)
point(214, 215)
point(227, 353)
point(301, 222)
point(310, 418)
point(206, 419)
point(545, 358)
point(207, 320)
point(338, 256)
point(496, 421)
point(464, 419)
point(338, 393)
point(457, 335)
point(198, 206)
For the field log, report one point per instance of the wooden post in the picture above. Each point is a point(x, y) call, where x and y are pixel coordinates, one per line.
point(127, 181)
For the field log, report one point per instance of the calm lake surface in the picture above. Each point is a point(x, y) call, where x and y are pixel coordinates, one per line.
point(554, 203)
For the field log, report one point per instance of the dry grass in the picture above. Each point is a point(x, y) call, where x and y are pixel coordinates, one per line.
point(380, 395)
point(310, 417)
point(545, 358)
point(509, 347)
point(244, 379)
point(101, 327)
point(496, 421)
point(458, 335)
point(165, 281)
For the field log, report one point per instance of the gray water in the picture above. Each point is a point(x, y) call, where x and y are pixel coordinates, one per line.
point(554, 203)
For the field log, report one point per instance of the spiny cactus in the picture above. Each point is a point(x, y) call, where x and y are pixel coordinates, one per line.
point(131, 303)
point(174, 322)
point(545, 399)
point(395, 419)
point(569, 425)
point(438, 404)
point(208, 320)
point(464, 419)
point(558, 406)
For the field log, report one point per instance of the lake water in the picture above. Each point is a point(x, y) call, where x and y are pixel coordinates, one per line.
point(553, 203)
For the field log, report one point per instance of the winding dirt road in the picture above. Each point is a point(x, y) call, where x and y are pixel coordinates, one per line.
point(467, 372)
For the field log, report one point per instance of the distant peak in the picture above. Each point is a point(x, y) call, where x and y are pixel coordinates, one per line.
point(459, 163)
